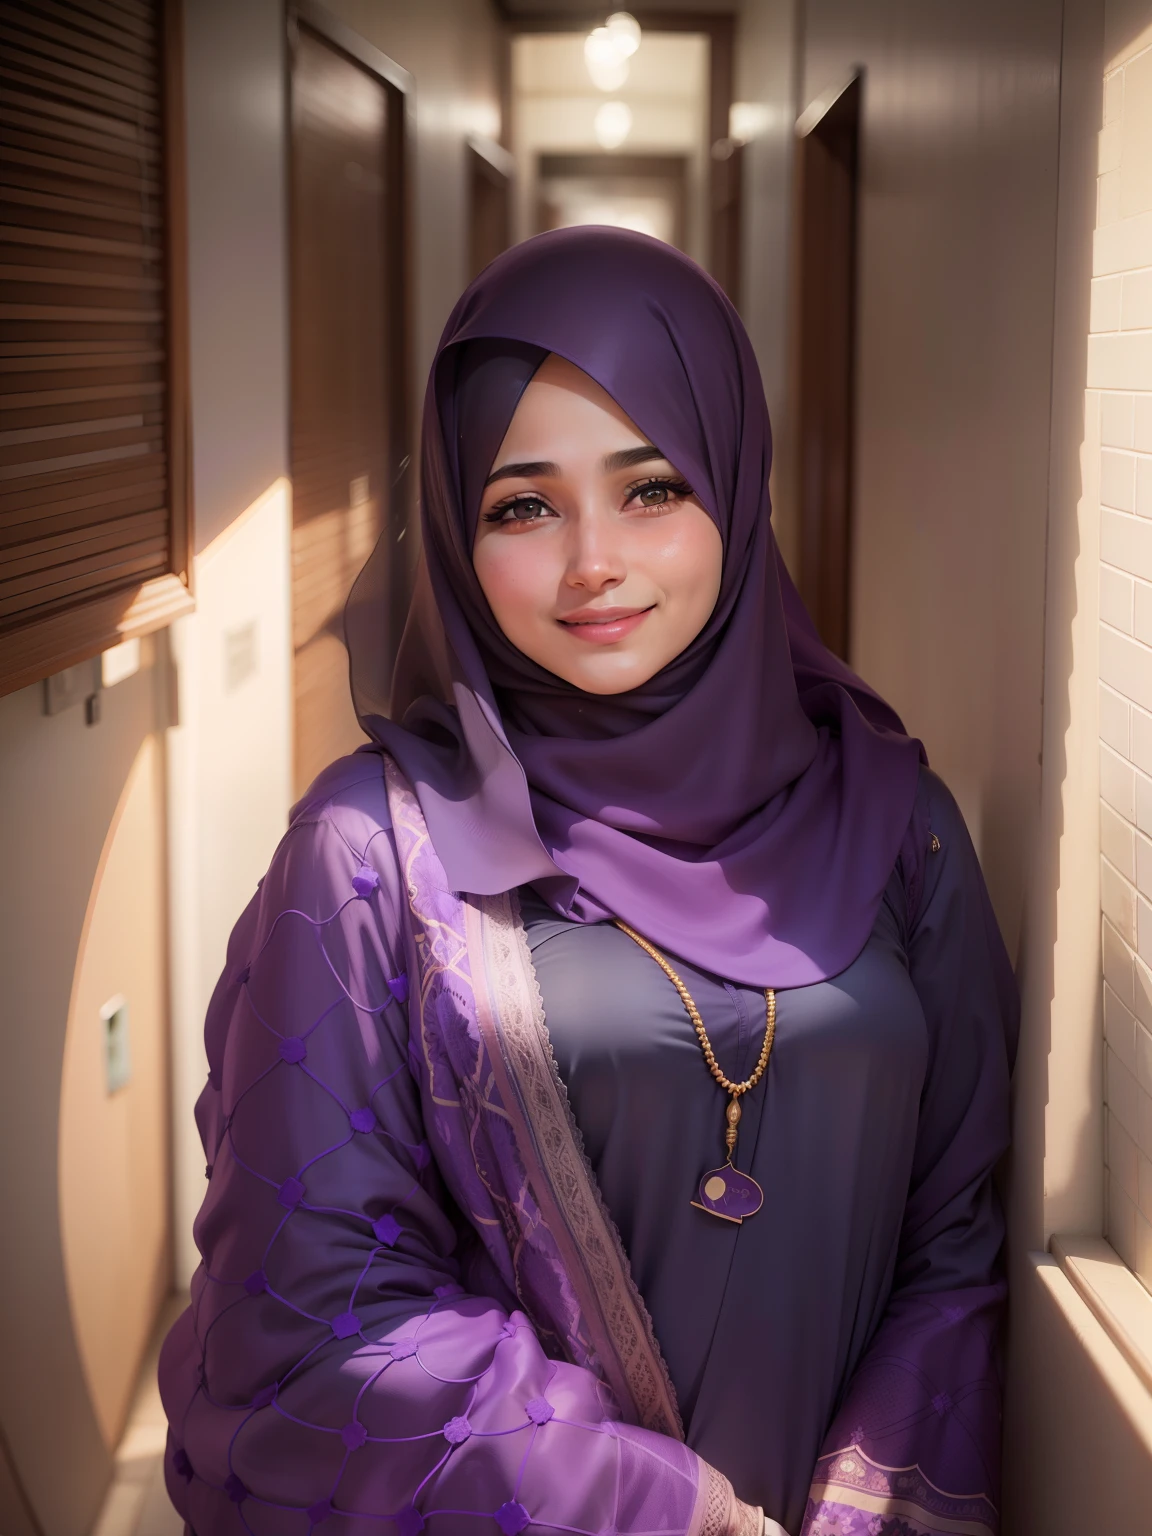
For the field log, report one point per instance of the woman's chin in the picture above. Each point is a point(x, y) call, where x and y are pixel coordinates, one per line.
point(606, 674)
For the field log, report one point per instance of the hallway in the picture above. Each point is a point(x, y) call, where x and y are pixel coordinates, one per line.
point(233, 232)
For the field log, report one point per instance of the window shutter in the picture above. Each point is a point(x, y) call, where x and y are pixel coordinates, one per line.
point(93, 506)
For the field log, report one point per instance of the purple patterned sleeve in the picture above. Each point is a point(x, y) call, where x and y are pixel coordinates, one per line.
point(914, 1449)
point(333, 1371)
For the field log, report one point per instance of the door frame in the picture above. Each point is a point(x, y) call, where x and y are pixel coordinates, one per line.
point(488, 161)
point(822, 358)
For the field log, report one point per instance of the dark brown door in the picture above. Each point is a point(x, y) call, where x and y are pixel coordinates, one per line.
point(489, 211)
point(344, 207)
point(827, 156)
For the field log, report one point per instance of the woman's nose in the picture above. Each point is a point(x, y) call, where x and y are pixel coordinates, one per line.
point(595, 558)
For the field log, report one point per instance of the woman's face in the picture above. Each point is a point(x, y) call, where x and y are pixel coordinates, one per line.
point(596, 559)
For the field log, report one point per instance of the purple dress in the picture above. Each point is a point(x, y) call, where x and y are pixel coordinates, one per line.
point(877, 1081)
point(392, 1329)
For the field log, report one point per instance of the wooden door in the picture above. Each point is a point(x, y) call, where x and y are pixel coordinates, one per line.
point(346, 361)
point(824, 325)
point(489, 208)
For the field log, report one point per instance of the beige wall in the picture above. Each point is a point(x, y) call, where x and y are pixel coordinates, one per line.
point(230, 749)
point(114, 1162)
point(1078, 1450)
point(234, 62)
point(230, 789)
point(60, 784)
point(767, 56)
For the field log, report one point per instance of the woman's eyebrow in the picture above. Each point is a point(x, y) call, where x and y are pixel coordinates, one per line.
point(523, 471)
point(625, 458)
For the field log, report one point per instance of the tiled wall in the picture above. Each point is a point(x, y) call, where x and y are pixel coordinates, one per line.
point(1120, 407)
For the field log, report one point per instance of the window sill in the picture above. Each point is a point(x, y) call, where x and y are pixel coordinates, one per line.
point(38, 650)
point(1117, 1300)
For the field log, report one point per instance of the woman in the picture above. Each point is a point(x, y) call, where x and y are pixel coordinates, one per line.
point(607, 1079)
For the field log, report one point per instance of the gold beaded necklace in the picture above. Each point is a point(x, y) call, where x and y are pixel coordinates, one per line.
point(724, 1191)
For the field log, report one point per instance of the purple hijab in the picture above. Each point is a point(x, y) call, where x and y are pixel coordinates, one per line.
point(744, 808)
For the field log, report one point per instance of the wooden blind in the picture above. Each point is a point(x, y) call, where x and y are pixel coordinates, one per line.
point(92, 461)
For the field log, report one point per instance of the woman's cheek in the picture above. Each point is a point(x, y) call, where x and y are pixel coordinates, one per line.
point(517, 581)
point(693, 561)
point(685, 562)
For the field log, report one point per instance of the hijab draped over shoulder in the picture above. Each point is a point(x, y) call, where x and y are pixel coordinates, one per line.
point(744, 808)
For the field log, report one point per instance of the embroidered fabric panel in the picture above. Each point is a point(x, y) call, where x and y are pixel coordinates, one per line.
point(855, 1496)
point(333, 1371)
point(579, 1228)
point(476, 1006)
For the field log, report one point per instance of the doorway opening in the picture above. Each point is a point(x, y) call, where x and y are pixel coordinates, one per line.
point(639, 142)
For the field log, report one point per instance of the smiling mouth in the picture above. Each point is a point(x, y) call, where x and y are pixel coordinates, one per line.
point(609, 625)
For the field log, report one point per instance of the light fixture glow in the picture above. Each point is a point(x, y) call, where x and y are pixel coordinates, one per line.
point(612, 124)
point(748, 120)
point(607, 65)
point(624, 29)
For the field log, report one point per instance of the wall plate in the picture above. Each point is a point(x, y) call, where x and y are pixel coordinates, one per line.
point(116, 1045)
point(72, 686)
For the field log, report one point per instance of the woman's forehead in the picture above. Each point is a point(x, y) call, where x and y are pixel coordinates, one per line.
point(563, 402)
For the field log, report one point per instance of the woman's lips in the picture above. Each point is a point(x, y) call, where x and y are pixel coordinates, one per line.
point(603, 629)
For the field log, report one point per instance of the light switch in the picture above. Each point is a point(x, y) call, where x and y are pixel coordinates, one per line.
point(241, 655)
point(117, 1050)
point(72, 686)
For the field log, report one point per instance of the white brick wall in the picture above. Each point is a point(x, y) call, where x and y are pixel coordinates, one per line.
point(1120, 377)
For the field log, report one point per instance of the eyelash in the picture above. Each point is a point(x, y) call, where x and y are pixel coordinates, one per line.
point(677, 489)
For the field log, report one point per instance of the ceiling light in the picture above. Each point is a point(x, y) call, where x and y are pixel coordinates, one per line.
point(748, 120)
point(612, 124)
point(625, 30)
point(606, 61)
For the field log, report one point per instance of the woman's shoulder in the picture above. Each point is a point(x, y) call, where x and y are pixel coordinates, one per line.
point(349, 795)
point(937, 846)
point(939, 860)
point(936, 816)
point(339, 839)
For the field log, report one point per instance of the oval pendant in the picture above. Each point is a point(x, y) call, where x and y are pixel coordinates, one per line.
point(729, 1194)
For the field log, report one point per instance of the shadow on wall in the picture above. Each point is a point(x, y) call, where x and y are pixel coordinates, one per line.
point(114, 1141)
point(61, 782)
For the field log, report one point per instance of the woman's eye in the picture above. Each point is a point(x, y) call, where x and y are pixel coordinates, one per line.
point(658, 493)
point(654, 495)
point(526, 510)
